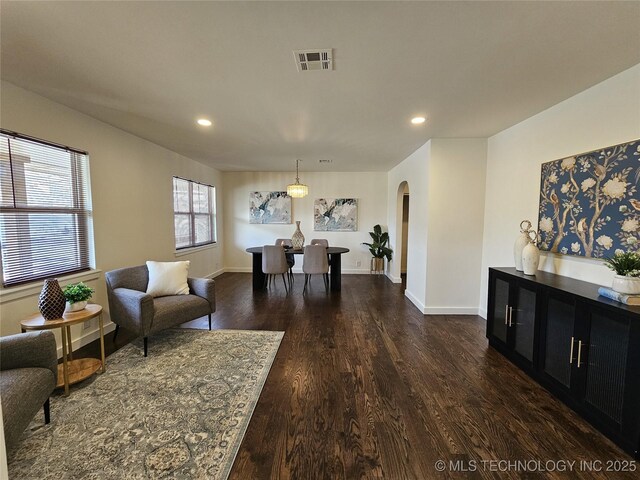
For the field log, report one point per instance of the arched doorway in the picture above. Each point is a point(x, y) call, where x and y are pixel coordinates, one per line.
point(402, 229)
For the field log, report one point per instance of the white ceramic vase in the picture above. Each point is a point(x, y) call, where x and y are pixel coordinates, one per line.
point(626, 285)
point(75, 306)
point(521, 242)
point(531, 255)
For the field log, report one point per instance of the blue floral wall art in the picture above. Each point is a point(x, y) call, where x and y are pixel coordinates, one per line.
point(335, 215)
point(589, 203)
point(269, 207)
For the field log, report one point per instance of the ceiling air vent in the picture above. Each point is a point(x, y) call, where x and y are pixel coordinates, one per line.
point(307, 60)
point(325, 160)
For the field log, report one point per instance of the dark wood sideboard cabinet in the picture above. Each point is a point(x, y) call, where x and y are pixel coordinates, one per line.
point(583, 348)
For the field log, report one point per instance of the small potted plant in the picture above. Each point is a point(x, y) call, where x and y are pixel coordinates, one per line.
point(627, 268)
point(77, 295)
point(378, 248)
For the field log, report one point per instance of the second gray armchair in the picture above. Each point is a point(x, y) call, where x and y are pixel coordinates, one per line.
point(132, 308)
point(28, 375)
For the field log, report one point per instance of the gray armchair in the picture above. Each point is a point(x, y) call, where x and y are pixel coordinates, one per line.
point(132, 308)
point(28, 375)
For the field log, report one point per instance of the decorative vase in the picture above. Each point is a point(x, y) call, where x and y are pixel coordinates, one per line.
point(75, 306)
point(377, 265)
point(297, 240)
point(51, 302)
point(521, 242)
point(626, 285)
point(531, 255)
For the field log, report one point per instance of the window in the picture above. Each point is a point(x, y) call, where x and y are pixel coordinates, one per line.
point(45, 209)
point(194, 208)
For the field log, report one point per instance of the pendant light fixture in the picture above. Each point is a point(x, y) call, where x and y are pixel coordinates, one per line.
point(297, 190)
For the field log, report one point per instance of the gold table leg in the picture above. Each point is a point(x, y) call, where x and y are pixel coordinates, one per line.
point(69, 345)
point(65, 369)
point(104, 365)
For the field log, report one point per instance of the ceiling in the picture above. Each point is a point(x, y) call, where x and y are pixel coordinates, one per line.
point(472, 68)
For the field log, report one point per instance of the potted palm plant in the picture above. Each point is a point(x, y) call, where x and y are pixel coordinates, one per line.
point(627, 268)
point(77, 295)
point(378, 248)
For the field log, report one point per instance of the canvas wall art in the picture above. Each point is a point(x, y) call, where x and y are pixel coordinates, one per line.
point(335, 215)
point(589, 203)
point(269, 207)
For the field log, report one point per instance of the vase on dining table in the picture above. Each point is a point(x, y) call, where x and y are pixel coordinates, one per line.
point(297, 240)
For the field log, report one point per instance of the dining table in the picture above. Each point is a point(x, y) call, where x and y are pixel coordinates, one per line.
point(335, 266)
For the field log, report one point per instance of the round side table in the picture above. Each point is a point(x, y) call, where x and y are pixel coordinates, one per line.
point(71, 371)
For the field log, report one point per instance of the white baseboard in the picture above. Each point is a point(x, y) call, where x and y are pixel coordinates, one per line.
point(237, 270)
point(344, 271)
point(88, 337)
point(353, 271)
point(215, 274)
point(414, 300)
point(450, 311)
point(440, 310)
point(394, 279)
point(482, 312)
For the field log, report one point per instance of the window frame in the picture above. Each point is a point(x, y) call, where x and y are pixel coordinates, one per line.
point(81, 210)
point(192, 215)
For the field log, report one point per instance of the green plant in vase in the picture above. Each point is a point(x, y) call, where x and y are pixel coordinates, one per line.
point(378, 248)
point(627, 268)
point(77, 295)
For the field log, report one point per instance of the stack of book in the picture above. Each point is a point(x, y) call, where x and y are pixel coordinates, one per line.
point(619, 297)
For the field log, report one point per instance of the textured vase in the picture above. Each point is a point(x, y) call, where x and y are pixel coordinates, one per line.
point(51, 301)
point(531, 255)
point(297, 240)
point(626, 285)
point(521, 242)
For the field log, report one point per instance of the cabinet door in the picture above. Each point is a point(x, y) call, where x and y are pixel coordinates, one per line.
point(499, 324)
point(523, 321)
point(602, 359)
point(558, 340)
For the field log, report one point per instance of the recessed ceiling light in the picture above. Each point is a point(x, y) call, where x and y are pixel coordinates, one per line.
point(417, 120)
point(204, 122)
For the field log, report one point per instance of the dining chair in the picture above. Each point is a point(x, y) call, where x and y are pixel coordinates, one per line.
point(291, 261)
point(314, 261)
point(324, 242)
point(274, 262)
point(320, 241)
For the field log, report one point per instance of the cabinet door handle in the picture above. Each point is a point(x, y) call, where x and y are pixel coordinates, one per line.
point(510, 315)
point(571, 354)
point(579, 351)
point(506, 314)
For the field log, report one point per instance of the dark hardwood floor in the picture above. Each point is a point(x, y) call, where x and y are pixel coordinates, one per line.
point(364, 386)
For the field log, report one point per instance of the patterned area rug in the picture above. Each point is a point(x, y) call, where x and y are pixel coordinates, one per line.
point(179, 413)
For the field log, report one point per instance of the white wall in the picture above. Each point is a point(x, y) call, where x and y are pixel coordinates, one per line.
point(456, 192)
point(368, 187)
point(603, 115)
point(131, 184)
point(414, 171)
point(446, 211)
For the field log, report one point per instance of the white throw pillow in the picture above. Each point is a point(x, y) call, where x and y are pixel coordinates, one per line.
point(168, 278)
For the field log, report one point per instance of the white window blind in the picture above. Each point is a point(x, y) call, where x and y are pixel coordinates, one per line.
point(45, 209)
point(194, 213)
